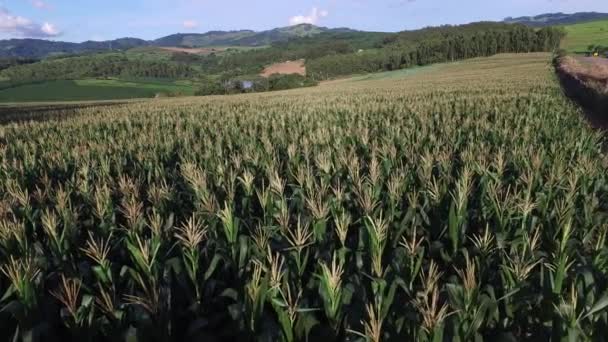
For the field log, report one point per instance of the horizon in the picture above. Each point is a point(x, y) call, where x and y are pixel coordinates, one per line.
point(60, 20)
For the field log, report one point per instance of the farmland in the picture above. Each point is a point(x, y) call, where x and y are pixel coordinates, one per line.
point(92, 89)
point(462, 203)
point(580, 36)
point(326, 54)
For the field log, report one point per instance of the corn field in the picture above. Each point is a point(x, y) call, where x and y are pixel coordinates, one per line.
point(466, 203)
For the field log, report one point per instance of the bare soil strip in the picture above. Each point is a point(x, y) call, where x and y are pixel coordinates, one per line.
point(285, 68)
point(590, 70)
point(585, 80)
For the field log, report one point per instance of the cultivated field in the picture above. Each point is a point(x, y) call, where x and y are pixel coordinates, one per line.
point(465, 202)
point(93, 89)
point(580, 36)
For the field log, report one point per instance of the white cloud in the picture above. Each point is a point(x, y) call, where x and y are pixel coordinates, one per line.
point(190, 24)
point(23, 27)
point(40, 4)
point(50, 30)
point(313, 18)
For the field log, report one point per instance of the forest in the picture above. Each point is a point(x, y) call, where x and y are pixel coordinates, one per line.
point(95, 66)
point(437, 45)
point(6, 63)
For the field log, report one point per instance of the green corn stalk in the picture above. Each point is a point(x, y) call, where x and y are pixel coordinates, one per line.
point(414, 256)
point(247, 181)
point(230, 226)
point(320, 210)
point(144, 254)
point(256, 289)
point(98, 251)
point(330, 289)
point(79, 307)
point(21, 197)
point(377, 232)
point(472, 307)
point(191, 235)
point(300, 240)
point(457, 217)
point(286, 308)
point(23, 276)
point(59, 239)
point(433, 316)
point(372, 326)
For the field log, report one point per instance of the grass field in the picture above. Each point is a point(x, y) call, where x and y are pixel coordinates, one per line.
point(473, 67)
point(464, 203)
point(92, 89)
point(580, 36)
point(393, 74)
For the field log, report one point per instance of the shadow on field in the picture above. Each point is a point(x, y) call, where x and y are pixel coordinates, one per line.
point(23, 113)
point(593, 102)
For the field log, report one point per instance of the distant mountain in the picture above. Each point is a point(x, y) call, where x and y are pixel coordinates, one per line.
point(212, 38)
point(552, 19)
point(117, 44)
point(37, 48)
point(244, 37)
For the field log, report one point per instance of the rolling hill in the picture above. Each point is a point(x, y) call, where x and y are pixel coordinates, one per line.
point(244, 37)
point(215, 38)
point(37, 48)
point(557, 19)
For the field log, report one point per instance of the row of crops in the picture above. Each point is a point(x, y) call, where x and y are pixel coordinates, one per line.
point(466, 203)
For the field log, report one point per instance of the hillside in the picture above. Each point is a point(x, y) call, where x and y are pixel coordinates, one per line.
point(580, 36)
point(212, 38)
point(553, 19)
point(244, 37)
point(326, 55)
point(37, 48)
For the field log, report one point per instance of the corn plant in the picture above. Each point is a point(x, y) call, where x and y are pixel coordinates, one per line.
point(449, 205)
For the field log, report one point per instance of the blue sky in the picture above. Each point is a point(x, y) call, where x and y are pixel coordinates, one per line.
point(79, 20)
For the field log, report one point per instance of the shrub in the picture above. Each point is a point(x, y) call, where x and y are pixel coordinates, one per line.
point(283, 82)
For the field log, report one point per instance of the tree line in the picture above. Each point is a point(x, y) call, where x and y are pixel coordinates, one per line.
point(449, 45)
point(253, 84)
point(330, 55)
point(8, 62)
point(253, 61)
point(95, 66)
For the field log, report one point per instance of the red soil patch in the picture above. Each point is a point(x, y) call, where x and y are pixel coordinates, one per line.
point(194, 51)
point(285, 68)
point(590, 70)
